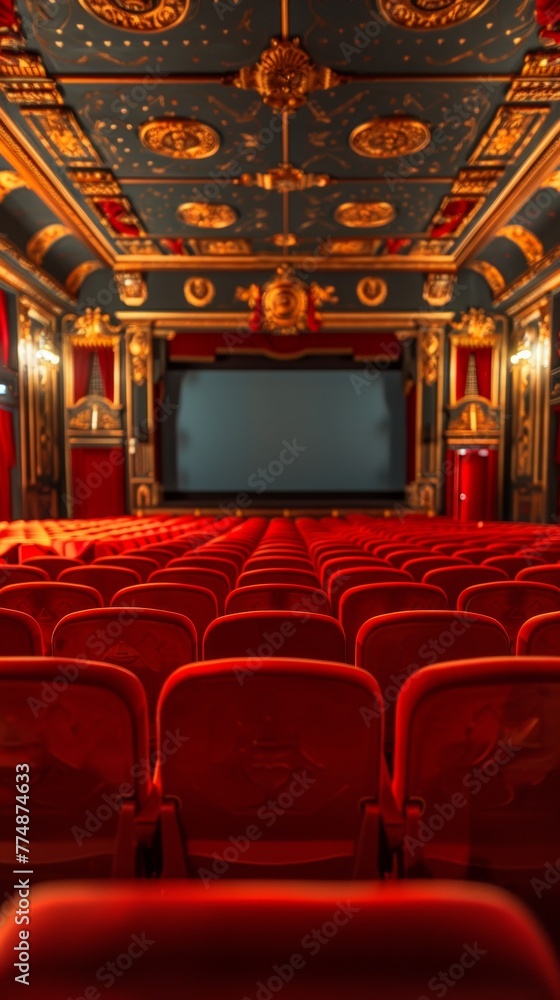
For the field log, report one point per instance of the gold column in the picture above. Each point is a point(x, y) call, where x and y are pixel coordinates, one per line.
point(530, 403)
point(144, 490)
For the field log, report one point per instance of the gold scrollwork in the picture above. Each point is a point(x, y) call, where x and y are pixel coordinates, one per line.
point(371, 291)
point(529, 244)
point(205, 215)
point(383, 138)
point(138, 15)
point(131, 287)
point(40, 244)
point(426, 15)
point(429, 344)
point(285, 76)
point(474, 328)
point(490, 273)
point(139, 344)
point(9, 181)
point(365, 214)
point(199, 292)
point(179, 138)
point(439, 288)
point(76, 278)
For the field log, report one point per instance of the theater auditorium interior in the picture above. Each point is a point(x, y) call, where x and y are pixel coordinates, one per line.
point(280, 499)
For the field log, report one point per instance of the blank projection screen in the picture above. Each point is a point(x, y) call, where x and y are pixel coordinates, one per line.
point(284, 432)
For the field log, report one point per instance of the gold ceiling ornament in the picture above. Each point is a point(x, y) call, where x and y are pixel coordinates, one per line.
point(529, 244)
point(138, 15)
point(40, 244)
point(384, 138)
point(179, 138)
point(372, 291)
point(284, 179)
point(205, 215)
point(493, 277)
point(132, 288)
point(474, 418)
point(429, 344)
point(474, 328)
point(60, 132)
point(553, 181)
point(285, 302)
point(365, 214)
point(354, 247)
point(534, 91)
point(221, 248)
point(285, 239)
point(439, 289)
point(432, 248)
point(76, 278)
point(510, 131)
point(473, 181)
point(139, 344)
point(199, 292)
point(541, 64)
point(91, 330)
point(285, 75)
point(9, 181)
point(430, 15)
point(31, 91)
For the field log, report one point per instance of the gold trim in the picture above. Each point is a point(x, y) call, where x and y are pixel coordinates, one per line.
point(76, 278)
point(217, 322)
point(199, 292)
point(529, 244)
point(6, 246)
point(510, 132)
point(389, 137)
point(365, 214)
point(42, 241)
point(207, 215)
point(435, 16)
point(9, 181)
point(157, 17)
point(493, 277)
point(267, 262)
point(372, 291)
point(179, 138)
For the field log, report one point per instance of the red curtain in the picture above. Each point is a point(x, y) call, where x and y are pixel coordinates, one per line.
point(205, 346)
point(118, 217)
point(411, 435)
point(454, 213)
point(8, 17)
point(4, 330)
point(548, 17)
point(82, 371)
point(7, 463)
point(98, 482)
point(107, 365)
point(472, 485)
point(483, 362)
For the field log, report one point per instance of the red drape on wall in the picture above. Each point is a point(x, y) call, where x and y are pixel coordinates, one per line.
point(205, 346)
point(4, 330)
point(107, 365)
point(411, 435)
point(7, 445)
point(483, 362)
point(82, 371)
point(98, 483)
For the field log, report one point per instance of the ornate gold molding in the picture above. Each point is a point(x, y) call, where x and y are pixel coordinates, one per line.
point(131, 287)
point(285, 76)
point(139, 346)
point(199, 292)
point(425, 15)
point(429, 341)
point(140, 15)
point(473, 329)
point(439, 289)
point(76, 278)
point(372, 291)
point(42, 241)
point(284, 303)
point(10, 181)
point(385, 138)
point(365, 214)
point(284, 179)
point(206, 215)
point(179, 138)
point(529, 244)
point(490, 273)
point(37, 273)
point(510, 131)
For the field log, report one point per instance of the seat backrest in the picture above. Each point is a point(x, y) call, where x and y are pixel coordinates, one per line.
point(373, 599)
point(397, 557)
point(348, 562)
point(275, 561)
point(277, 597)
point(262, 751)
point(547, 573)
point(49, 601)
point(510, 602)
point(160, 555)
point(148, 642)
point(195, 603)
point(221, 563)
point(348, 579)
point(141, 564)
point(483, 941)
point(298, 576)
point(477, 743)
point(20, 635)
point(477, 555)
point(21, 574)
point(393, 647)
point(454, 579)
point(52, 565)
point(419, 567)
point(512, 565)
point(261, 634)
point(80, 727)
point(539, 636)
point(107, 580)
point(197, 576)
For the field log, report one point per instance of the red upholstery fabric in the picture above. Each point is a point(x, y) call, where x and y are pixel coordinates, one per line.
point(540, 636)
point(292, 576)
point(217, 562)
point(107, 580)
point(511, 603)
point(52, 565)
point(98, 485)
point(21, 574)
point(20, 634)
point(265, 736)
point(142, 565)
point(259, 634)
point(347, 579)
point(197, 604)
point(361, 604)
point(47, 602)
point(418, 567)
point(511, 565)
point(208, 579)
point(547, 573)
point(277, 597)
point(454, 579)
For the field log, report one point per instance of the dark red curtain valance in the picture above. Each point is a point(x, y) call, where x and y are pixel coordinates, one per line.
point(361, 346)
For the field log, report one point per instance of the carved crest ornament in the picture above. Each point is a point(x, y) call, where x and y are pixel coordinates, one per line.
point(383, 138)
point(138, 15)
point(179, 138)
point(285, 304)
point(425, 15)
point(285, 76)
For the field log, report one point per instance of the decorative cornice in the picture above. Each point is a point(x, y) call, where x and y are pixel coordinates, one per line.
point(50, 291)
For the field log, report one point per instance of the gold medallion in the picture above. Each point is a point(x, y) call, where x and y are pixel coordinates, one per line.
point(138, 15)
point(383, 138)
point(363, 214)
point(179, 138)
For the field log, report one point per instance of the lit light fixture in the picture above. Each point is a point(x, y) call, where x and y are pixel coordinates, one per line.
point(91, 330)
point(3, 389)
point(45, 354)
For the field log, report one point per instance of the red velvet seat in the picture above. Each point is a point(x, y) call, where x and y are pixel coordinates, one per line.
point(547, 573)
point(276, 937)
point(397, 557)
point(348, 562)
point(511, 602)
point(512, 565)
point(419, 567)
point(279, 747)
point(277, 561)
point(348, 579)
point(540, 636)
point(20, 635)
point(292, 576)
point(259, 634)
point(161, 555)
point(52, 565)
point(107, 580)
point(21, 574)
point(148, 642)
point(454, 579)
point(478, 555)
point(197, 576)
point(371, 600)
point(216, 562)
point(48, 601)
point(142, 564)
point(82, 728)
point(393, 647)
point(477, 744)
point(277, 597)
point(195, 603)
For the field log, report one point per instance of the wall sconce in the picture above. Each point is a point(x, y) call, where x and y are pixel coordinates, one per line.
point(49, 357)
